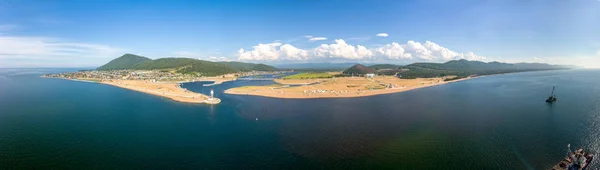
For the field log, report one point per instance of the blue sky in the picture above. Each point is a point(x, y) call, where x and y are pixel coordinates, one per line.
point(52, 33)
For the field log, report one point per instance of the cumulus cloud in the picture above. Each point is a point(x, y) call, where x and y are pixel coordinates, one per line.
point(343, 50)
point(292, 53)
point(382, 35)
point(429, 52)
point(272, 51)
point(411, 50)
point(393, 51)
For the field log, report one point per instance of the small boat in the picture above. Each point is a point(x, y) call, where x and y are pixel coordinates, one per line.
point(552, 97)
point(579, 159)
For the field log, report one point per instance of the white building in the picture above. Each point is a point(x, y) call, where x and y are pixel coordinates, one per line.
point(370, 75)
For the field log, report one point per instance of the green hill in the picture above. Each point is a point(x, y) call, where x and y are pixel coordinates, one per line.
point(358, 69)
point(126, 61)
point(183, 65)
point(464, 68)
point(187, 66)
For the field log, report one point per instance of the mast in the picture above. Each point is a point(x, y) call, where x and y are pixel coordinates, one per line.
point(552, 94)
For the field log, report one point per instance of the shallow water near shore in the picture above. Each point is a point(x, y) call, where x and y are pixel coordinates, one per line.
point(492, 122)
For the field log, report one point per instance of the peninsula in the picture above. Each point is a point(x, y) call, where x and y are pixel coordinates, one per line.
point(162, 77)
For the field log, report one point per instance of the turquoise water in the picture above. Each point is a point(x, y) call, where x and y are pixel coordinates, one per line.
point(493, 122)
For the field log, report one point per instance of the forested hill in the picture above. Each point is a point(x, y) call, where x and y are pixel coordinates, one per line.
point(358, 69)
point(124, 62)
point(183, 65)
point(463, 68)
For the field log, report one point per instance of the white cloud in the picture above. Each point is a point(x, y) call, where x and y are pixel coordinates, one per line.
point(313, 38)
point(416, 49)
point(292, 53)
point(317, 39)
point(342, 50)
point(438, 51)
point(429, 52)
point(260, 52)
point(393, 51)
point(43, 51)
point(272, 51)
point(412, 50)
point(382, 35)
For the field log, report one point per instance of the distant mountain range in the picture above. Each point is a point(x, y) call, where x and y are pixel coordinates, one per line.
point(463, 68)
point(182, 65)
point(460, 68)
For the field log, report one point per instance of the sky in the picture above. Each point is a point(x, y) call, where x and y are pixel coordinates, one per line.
point(78, 33)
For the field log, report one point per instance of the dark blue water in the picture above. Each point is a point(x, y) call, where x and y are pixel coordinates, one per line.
point(494, 122)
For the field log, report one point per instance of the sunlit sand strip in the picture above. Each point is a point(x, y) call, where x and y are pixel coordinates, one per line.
point(168, 90)
point(340, 88)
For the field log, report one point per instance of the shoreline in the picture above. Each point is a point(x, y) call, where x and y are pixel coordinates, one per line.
point(365, 93)
point(171, 90)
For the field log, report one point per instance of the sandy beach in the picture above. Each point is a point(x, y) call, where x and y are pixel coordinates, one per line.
point(164, 89)
point(170, 90)
point(338, 87)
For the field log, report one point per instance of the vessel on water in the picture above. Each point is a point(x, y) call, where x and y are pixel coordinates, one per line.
point(552, 97)
point(578, 159)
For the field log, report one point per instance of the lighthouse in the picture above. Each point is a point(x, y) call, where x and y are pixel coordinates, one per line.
point(212, 93)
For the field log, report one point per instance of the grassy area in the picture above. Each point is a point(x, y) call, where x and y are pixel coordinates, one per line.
point(309, 75)
point(375, 87)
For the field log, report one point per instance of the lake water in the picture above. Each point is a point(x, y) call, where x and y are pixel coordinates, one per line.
point(493, 122)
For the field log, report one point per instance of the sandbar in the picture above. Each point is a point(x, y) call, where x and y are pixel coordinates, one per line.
point(164, 89)
point(343, 87)
point(170, 90)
